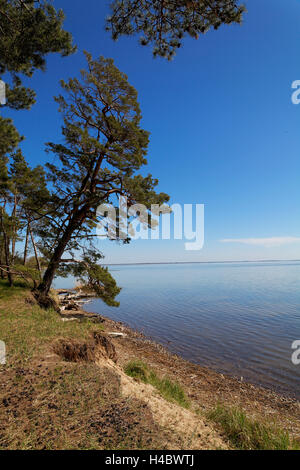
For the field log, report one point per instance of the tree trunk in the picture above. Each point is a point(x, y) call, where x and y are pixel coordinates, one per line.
point(1, 260)
point(14, 230)
point(74, 223)
point(6, 250)
point(26, 245)
point(7, 260)
point(35, 250)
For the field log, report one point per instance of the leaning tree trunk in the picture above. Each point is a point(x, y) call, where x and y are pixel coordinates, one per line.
point(26, 245)
point(75, 222)
point(35, 251)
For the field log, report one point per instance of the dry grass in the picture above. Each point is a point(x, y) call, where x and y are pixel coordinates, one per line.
point(71, 406)
point(52, 402)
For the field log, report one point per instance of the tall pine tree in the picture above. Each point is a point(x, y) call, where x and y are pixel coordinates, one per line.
point(104, 146)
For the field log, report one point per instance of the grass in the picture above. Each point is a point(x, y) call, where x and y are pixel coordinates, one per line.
point(7, 292)
point(39, 327)
point(249, 434)
point(48, 403)
point(168, 389)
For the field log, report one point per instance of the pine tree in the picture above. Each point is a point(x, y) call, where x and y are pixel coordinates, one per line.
point(4, 219)
point(29, 193)
point(29, 31)
point(164, 23)
point(104, 146)
point(23, 192)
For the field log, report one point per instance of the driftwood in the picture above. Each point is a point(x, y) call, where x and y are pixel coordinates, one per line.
point(70, 303)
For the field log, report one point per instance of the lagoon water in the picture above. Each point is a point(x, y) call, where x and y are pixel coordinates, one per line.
point(238, 318)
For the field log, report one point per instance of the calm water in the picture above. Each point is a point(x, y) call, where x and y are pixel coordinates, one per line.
point(238, 318)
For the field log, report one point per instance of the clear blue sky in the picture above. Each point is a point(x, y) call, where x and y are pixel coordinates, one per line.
point(224, 131)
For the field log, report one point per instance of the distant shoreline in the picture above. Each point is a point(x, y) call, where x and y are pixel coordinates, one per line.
point(204, 262)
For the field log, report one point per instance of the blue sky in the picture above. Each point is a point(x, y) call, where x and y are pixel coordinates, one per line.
point(224, 131)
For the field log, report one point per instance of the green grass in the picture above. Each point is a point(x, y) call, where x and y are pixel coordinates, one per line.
point(7, 292)
point(248, 434)
point(168, 389)
point(28, 330)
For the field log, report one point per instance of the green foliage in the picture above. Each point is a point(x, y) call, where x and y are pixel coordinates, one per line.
point(19, 97)
point(30, 273)
point(104, 141)
point(29, 31)
point(4, 177)
point(248, 434)
point(9, 137)
point(164, 23)
point(23, 193)
point(100, 281)
point(168, 389)
point(104, 147)
point(28, 184)
point(93, 277)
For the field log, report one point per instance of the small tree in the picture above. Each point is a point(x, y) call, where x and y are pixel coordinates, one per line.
point(5, 225)
point(23, 192)
point(104, 148)
point(164, 23)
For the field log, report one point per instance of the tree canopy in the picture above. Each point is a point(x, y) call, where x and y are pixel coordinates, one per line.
point(29, 30)
point(164, 23)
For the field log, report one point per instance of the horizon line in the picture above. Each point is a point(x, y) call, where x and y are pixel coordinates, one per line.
point(202, 262)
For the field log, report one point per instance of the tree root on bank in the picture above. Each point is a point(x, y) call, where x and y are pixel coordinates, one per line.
point(45, 301)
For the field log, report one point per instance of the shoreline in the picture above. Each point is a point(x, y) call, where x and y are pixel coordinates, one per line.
point(74, 380)
point(203, 385)
point(138, 336)
point(280, 391)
